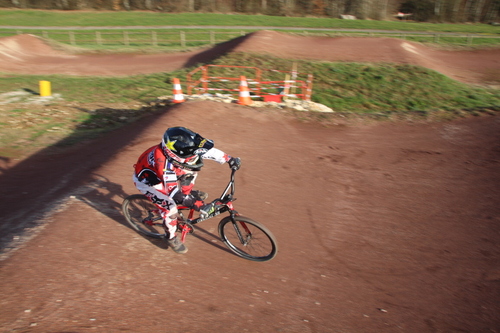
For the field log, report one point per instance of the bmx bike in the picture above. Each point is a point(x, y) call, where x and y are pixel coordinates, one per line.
point(245, 237)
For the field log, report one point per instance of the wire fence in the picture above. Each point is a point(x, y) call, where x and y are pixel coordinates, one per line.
point(184, 39)
point(436, 38)
point(127, 38)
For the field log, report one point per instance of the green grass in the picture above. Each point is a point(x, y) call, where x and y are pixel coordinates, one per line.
point(346, 87)
point(37, 18)
point(95, 89)
point(154, 38)
point(373, 88)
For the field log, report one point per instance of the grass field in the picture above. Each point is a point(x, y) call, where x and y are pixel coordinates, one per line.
point(101, 30)
point(37, 18)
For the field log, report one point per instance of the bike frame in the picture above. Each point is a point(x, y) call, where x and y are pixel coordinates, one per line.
point(226, 202)
point(243, 236)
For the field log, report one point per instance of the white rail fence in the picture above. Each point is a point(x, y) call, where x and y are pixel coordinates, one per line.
point(183, 39)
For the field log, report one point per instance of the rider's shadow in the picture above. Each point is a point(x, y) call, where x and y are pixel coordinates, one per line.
point(106, 197)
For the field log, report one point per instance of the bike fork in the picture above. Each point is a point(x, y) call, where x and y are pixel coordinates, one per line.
point(248, 234)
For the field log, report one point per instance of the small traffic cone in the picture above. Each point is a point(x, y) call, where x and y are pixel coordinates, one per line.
point(244, 98)
point(178, 96)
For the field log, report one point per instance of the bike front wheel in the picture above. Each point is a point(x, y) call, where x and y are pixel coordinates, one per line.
point(248, 239)
point(143, 216)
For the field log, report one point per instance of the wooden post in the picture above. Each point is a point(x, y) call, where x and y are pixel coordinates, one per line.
point(294, 77)
point(183, 39)
point(126, 40)
point(72, 38)
point(154, 38)
point(308, 93)
point(204, 78)
point(469, 40)
point(286, 88)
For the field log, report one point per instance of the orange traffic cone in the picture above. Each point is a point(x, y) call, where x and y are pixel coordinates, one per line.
point(178, 96)
point(244, 98)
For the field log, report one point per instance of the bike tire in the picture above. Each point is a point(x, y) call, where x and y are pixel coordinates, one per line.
point(259, 244)
point(143, 216)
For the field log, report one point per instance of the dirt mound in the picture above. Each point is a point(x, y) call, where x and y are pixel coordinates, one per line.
point(327, 48)
point(382, 228)
point(477, 66)
point(28, 55)
point(26, 47)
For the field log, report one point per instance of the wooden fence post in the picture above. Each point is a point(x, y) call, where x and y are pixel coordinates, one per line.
point(98, 38)
point(126, 40)
point(183, 39)
point(469, 40)
point(154, 37)
point(72, 38)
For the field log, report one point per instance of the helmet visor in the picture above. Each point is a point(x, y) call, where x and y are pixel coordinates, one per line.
point(193, 160)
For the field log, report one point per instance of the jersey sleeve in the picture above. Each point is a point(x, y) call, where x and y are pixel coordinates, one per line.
point(216, 155)
point(147, 168)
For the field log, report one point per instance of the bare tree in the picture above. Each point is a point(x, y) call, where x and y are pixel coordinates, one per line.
point(384, 6)
point(492, 11)
point(456, 10)
point(478, 10)
point(362, 9)
point(437, 8)
point(467, 10)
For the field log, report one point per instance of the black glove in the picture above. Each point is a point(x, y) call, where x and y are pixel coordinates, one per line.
point(234, 163)
point(207, 209)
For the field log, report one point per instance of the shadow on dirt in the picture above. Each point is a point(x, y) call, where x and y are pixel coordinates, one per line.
point(30, 188)
point(215, 52)
point(106, 197)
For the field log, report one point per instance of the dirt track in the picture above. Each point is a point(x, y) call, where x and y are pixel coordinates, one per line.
point(382, 228)
point(29, 55)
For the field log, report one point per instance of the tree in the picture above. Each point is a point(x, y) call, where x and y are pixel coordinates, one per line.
point(421, 10)
point(437, 8)
point(455, 17)
point(478, 10)
point(492, 11)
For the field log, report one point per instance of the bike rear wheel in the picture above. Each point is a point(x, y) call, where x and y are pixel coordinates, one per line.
point(143, 216)
point(248, 239)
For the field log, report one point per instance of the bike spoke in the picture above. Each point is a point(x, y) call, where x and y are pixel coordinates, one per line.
point(248, 239)
point(143, 216)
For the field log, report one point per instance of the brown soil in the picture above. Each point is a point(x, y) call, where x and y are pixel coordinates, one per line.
point(382, 227)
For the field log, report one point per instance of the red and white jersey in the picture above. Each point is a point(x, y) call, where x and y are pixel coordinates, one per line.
point(153, 169)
